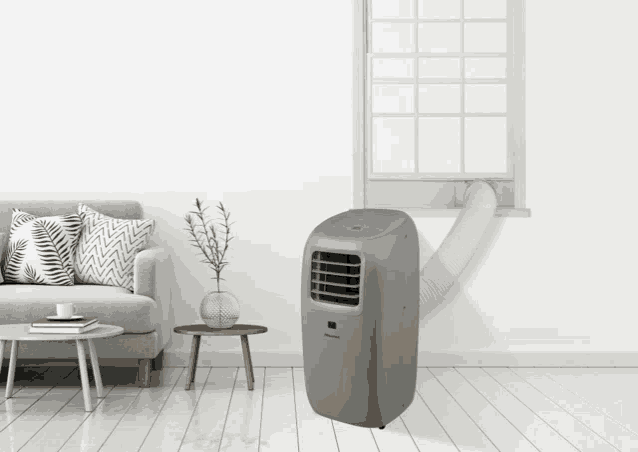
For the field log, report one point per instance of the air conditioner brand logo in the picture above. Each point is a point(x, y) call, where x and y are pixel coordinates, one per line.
point(330, 335)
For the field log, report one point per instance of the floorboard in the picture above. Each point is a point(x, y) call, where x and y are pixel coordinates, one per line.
point(135, 425)
point(207, 424)
point(96, 428)
point(171, 424)
point(454, 409)
point(542, 435)
point(425, 428)
point(243, 424)
point(611, 390)
point(502, 433)
point(278, 424)
point(19, 432)
point(570, 428)
point(620, 437)
point(316, 433)
point(351, 437)
point(12, 408)
point(466, 435)
point(63, 425)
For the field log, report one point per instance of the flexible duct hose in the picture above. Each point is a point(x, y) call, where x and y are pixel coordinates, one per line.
point(442, 270)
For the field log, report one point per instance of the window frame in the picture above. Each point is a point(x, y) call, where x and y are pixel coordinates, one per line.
point(441, 195)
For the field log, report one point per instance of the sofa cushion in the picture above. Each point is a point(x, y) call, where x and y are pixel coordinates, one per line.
point(106, 251)
point(25, 303)
point(41, 249)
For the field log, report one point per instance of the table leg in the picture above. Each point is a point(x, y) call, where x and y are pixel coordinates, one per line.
point(247, 363)
point(84, 376)
point(193, 364)
point(97, 376)
point(12, 369)
point(250, 360)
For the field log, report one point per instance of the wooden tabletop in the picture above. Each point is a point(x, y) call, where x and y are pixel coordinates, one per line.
point(20, 332)
point(205, 330)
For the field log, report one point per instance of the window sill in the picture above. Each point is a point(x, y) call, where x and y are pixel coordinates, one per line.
point(453, 212)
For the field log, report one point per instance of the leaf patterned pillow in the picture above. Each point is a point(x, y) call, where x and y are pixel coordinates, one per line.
point(41, 249)
point(107, 248)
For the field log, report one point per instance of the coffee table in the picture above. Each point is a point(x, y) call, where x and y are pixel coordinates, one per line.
point(20, 332)
point(197, 331)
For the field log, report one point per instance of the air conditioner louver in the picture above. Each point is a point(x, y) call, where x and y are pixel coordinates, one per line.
point(336, 277)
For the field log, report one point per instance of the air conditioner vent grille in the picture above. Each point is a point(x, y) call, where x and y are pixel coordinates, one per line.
point(336, 277)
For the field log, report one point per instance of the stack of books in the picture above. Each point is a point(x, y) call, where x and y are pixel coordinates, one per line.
point(64, 326)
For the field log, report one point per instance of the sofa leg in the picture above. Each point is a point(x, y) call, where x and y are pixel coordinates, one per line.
point(144, 373)
point(158, 362)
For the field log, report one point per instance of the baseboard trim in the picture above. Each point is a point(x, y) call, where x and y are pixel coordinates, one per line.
point(528, 359)
point(427, 359)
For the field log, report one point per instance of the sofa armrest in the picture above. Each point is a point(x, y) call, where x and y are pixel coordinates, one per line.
point(145, 271)
point(152, 276)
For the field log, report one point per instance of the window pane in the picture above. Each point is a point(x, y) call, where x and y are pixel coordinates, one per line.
point(439, 145)
point(440, 9)
point(486, 67)
point(485, 145)
point(392, 67)
point(392, 9)
point(439, 68)
point(393, 98)
point(439, 98)
point(439, 37)
point(485, 9)
point(485, 98)
point(486, 37)
point(392, 37)
point(393, 145)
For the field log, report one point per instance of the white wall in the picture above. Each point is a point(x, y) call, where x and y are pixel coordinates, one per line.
point(566, 273)
point(249, 103)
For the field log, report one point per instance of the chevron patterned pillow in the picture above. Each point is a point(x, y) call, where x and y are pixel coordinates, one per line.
point(106, 251)
point(40, 249)
point(2, 245)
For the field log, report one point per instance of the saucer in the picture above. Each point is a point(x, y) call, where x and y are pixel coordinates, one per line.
point(55, 317)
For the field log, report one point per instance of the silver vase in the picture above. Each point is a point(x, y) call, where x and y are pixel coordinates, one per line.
point(219, 309)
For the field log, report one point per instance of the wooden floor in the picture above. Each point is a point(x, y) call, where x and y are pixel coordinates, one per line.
point(455, 409)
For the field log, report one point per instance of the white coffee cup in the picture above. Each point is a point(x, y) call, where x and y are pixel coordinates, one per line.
point(65, 310)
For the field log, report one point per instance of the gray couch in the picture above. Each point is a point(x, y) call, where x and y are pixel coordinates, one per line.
point(143, 313)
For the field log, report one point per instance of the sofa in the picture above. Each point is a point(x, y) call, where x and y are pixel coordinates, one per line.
point(143, 312)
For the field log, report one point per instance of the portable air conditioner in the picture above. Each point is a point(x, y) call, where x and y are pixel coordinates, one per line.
point(360, 314)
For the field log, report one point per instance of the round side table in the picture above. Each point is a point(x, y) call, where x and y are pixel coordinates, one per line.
point(197, 331)
point(20, 332)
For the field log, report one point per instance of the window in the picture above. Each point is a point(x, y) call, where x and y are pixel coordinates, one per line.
point(439, 101)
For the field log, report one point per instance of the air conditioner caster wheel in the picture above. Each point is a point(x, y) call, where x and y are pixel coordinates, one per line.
point(382, 427)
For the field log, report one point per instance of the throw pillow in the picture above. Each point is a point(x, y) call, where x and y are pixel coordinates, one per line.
point(41, 249)
point(106, 251)
point(2, 246)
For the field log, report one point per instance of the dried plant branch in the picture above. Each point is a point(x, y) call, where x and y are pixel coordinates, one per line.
point(208, 243)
